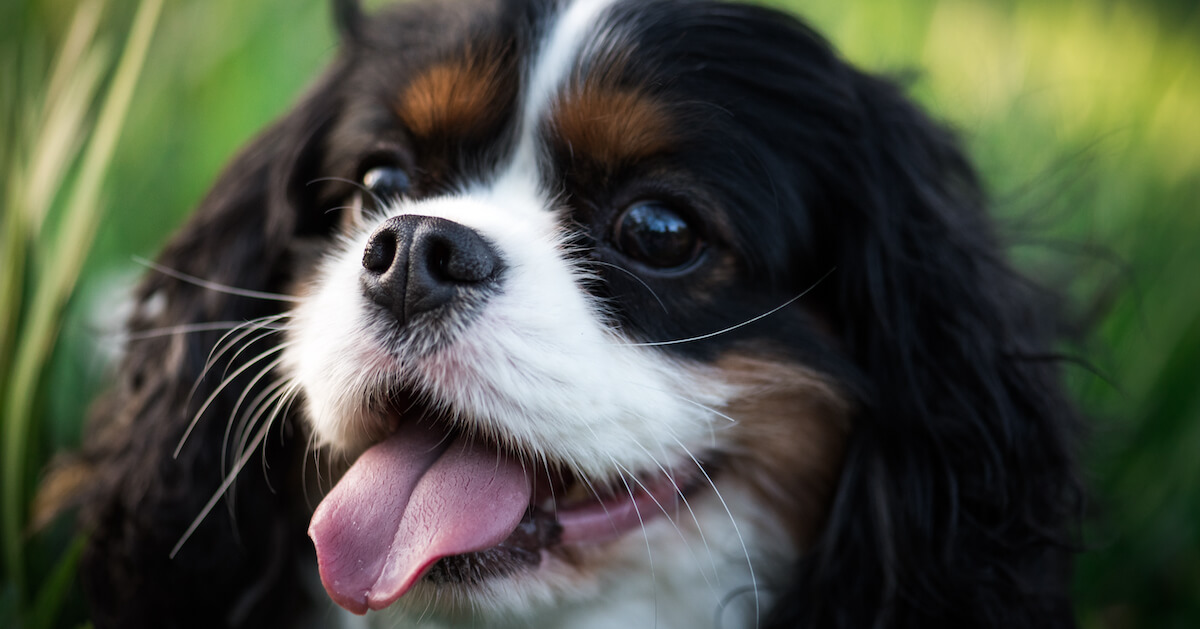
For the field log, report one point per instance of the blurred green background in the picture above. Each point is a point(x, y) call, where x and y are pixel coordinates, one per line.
point(1084, 116)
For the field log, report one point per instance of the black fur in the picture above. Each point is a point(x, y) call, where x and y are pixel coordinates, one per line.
point(957, 502)
point(238, 569)
point(957, 498)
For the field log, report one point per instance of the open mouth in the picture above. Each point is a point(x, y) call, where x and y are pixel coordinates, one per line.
point(435, 503)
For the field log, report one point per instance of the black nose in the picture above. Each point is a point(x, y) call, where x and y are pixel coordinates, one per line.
point(415, 264)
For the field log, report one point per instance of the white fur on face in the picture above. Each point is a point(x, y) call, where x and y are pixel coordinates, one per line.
point(538, 367)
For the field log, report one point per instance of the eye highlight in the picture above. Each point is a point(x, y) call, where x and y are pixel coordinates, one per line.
point(387, 181)
point(656, 235)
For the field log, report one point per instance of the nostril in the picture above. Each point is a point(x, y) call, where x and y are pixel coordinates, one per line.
point(415, 264)
point(380, 251)
point(438, 260)
point(463, 256)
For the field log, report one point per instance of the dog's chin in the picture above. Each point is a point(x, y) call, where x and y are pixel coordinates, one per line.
point(500, 525)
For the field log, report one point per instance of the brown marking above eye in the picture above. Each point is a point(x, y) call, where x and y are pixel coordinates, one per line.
point(464, 97)
point(611, 125)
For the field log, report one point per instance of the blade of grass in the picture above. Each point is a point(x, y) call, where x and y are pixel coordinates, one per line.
point(72, 87)
point(34, 180)
point(70, 248)
point(48, 602)
point(13, 237)
point(12, 271)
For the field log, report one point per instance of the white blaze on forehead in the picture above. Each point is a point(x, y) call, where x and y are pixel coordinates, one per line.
point(579, 28)
point(575, 30)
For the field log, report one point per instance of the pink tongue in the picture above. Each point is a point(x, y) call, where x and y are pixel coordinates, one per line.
point(407, 502)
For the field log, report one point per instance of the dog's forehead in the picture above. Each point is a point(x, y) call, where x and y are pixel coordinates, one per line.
point(557, 78)
point(586, 89)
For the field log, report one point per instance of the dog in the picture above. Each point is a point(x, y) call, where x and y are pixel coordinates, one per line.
point(586, 313)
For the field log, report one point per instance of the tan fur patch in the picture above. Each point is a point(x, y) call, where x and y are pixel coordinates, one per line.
point(59, 490)
point(462, 97)
point(789, 441)
point(611, 125)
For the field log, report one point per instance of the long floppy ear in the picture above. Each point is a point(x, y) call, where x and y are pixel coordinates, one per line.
point(957, 501)
point(182, 375)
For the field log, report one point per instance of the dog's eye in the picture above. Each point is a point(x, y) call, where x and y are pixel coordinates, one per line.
point(654, 234)
point(387, 181)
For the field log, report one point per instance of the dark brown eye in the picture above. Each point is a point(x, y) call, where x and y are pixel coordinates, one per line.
point(654, 234)
point(387, 182)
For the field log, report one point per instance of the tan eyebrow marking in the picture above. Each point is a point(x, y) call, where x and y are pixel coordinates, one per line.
point(463, 97)
point(612, 125)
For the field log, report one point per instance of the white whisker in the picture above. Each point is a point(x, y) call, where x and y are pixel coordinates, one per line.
point(682, 398)
point(645, 536)
point(357, 184)
point(212, 502)
point(592, 488)
point(254, 404)
point(310, 448)
point(214, 286)
point(271, 395)
point(736, 530)
point(191, 328)
point(245, 346)
point(221, 387)
point(640, 281)
point(739, 325)
point(274, 413)
point(695, 520)
point(246, 329)
point(214, 354)
point(666, 513)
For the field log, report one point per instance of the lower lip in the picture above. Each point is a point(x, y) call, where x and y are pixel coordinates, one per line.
point(573, 524)
point(605, 520)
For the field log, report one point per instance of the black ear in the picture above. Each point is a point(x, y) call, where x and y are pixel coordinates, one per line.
point(142, 498)
point(349, 17)
point(957, 502)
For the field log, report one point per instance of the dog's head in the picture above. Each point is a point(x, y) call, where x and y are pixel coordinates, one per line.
point(650, 304)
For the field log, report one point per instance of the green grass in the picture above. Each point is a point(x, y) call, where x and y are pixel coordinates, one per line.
point(1084, 116)
point(52, 210)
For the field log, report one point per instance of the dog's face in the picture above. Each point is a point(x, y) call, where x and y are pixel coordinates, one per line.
point(561, 327)
point(588, 313)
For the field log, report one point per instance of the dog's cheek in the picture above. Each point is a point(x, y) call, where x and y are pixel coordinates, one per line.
point(788, 443)
point(329, 357)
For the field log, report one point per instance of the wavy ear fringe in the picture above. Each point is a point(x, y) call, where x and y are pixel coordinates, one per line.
point(957, 505)
point(140, 498)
